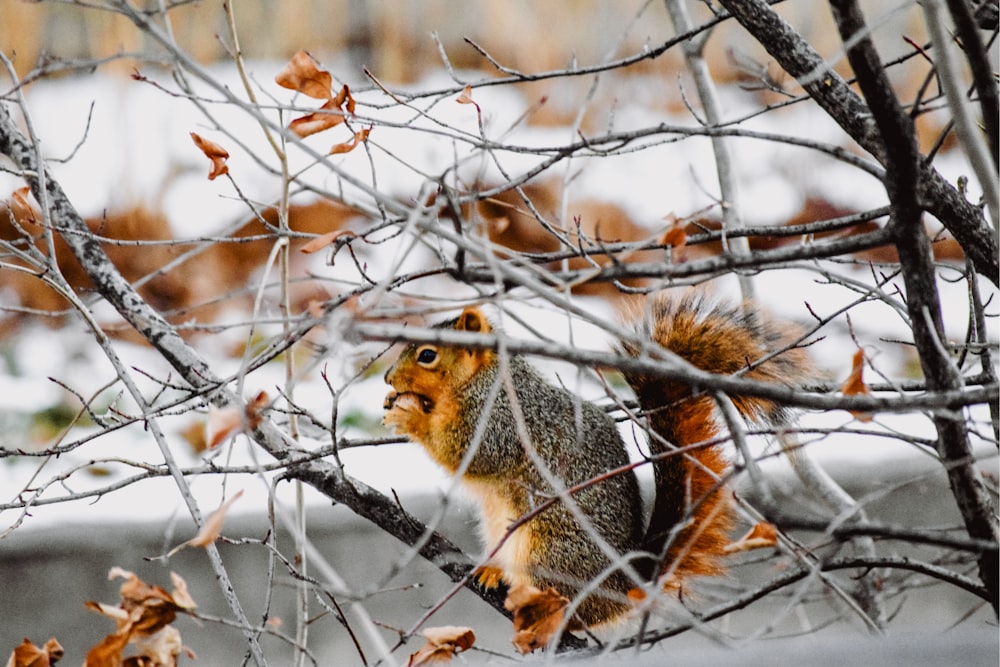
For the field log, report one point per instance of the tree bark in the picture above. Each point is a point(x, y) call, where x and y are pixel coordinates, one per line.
point(902, 182)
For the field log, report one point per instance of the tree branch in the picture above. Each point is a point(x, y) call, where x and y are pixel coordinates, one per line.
point(982, 72)
point(969, 134)
point(185, 360)
point(117, 290)
point(903, 176)
point(387, 515)
point(831, 92)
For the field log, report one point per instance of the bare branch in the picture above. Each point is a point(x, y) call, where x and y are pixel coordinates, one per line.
point(831, 92)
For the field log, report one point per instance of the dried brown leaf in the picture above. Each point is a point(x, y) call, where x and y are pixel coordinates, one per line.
point(195, 434)
point(221, 423)
point(855, 385)
point(159, 648)
point(344, 96)
point(143, 618)
point(461, 637)
point(181, 595)
point(676, 238)
point(323, 241)
point(442, 644)
point(254, 409)
point(212, 527)
point(150, 607)
point(333, 112)
point(54, 649)
point(214, 152)
point(763, 535)
point(20, 207)
point(116, 613)
point(349, 146)
point(303, 74)
point(26, 654)
point(327, 116)
point(108, 653)
point(537, 615)
point(466, 96)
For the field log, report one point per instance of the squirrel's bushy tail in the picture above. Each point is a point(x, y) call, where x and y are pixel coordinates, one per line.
point(692, 513)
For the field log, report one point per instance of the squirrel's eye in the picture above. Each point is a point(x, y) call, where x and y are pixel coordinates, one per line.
point(427, 356)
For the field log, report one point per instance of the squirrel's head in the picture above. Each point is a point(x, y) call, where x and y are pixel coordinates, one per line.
point(428, 379)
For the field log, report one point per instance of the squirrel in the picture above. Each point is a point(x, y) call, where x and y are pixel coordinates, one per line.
point(514, 455)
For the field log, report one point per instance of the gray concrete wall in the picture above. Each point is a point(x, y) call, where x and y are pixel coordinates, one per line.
point(47, 575)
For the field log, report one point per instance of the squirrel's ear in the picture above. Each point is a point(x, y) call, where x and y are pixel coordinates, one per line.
point(472, 319)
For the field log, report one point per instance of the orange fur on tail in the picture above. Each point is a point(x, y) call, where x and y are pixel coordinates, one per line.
point(692, 514)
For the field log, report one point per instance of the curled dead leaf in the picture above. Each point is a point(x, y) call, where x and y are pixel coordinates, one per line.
point(303, 74)
point(323, 241)
point(344, 100)
point(107, 653)
point(761, 536)
point(209, 533)
point(195, 434)
point(54, 649)
point(442, 644)
point(159, 648)
point(465, 97)
point(119, 573)
point(675, 237)
point(538, 615)
point(182, 597)
point(212, 527)
point(20, 207)
point(221, 423)
point(333, 112)
point(327, 116)
point(214, 152)
point(116, 613)
point(459, 636)
point(225, 422)
point(143, 618)
point(26, 654)
point(349, 146)
point(855, 385)
point(254, 409)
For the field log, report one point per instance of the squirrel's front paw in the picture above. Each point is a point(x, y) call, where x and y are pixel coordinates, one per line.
point(405, 411)
point(395, 411)
point(489, 576)
point(407, 401)
point(390, 400)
